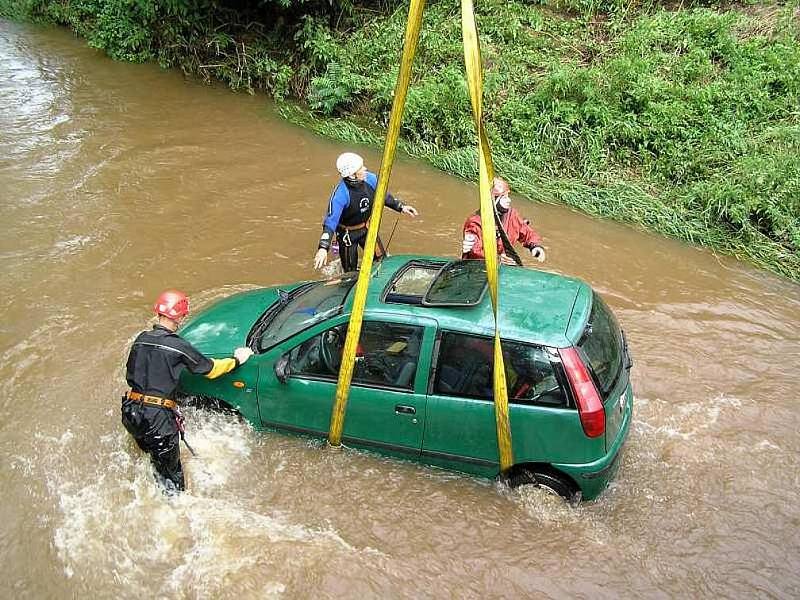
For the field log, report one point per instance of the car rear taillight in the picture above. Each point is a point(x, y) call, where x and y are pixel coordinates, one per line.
point(590, 406)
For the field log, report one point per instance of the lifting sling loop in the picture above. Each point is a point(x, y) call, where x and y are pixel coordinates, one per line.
point(472, 60)
point(486, 172)
point(360, 297)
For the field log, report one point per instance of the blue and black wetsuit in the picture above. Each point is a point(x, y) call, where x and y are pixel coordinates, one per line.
point(349, 210)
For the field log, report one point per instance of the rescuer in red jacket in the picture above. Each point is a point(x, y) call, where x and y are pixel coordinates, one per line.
point(515, 229)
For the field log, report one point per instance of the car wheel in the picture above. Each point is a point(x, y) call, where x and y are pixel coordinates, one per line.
point(547, 480)
point(211, 403)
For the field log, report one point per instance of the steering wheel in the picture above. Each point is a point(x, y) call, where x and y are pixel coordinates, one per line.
point(327, 349)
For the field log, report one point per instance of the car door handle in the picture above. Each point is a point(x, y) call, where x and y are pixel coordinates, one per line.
point(404, 409)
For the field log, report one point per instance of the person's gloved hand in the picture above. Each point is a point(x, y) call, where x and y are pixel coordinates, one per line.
point(469, 242)
point(409, 210)
point(507, 260)
point(320, 258)
point(538, 253)
point(242, 354)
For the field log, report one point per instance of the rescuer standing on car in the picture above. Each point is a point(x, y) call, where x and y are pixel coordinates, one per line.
point(510, 226)
point(156, 360)
point(349, 210)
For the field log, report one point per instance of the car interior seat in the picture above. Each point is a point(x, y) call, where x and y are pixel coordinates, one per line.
point(409, 356)
point(404, 378)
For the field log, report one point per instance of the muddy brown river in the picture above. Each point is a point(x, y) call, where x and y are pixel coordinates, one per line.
point(119, 180)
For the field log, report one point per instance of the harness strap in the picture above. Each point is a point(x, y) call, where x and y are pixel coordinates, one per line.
point(355, 227)
point(154, 400)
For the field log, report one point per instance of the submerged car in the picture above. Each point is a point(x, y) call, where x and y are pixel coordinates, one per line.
point(422, 379)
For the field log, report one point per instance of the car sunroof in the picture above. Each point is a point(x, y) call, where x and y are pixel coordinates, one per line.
point(458, 283)
point(412, 281)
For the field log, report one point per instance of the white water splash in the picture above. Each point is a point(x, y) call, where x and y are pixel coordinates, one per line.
point(191, 545)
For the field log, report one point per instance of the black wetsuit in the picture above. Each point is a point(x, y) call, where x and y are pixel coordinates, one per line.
point(155, 363)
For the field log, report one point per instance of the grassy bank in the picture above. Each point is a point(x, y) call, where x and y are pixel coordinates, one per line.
point(684, 120)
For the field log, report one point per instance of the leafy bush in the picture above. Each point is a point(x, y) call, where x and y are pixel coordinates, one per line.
point(683, 118)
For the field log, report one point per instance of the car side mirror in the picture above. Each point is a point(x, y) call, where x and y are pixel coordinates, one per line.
point(282, 370)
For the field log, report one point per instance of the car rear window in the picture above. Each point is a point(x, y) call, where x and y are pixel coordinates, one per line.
point(602, 344)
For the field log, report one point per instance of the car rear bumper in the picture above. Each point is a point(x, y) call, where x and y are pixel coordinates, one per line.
point(593, 477)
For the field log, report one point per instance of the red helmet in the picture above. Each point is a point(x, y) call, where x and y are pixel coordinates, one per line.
point(172, 304)
point(500, 187)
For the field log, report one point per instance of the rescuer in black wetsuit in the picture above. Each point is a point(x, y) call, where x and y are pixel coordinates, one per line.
point(349, 210)
point(155, 363)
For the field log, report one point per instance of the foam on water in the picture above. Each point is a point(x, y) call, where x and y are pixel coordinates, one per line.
point(192, 544)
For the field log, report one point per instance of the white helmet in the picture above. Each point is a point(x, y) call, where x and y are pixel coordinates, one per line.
point(348, 164)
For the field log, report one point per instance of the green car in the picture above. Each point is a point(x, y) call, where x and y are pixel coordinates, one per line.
point(422, 379)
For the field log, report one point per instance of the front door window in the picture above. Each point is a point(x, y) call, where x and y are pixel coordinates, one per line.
point(387, 355)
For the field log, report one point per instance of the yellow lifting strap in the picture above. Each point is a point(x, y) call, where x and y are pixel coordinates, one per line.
point(475, 80)
point(359, 300)
point(472, 60)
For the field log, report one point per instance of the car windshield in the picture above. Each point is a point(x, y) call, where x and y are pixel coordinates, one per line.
point(602, 344)
point(310, 305)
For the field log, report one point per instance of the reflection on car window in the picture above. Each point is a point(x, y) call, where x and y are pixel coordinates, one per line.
point(465, 368)
point(411, 282)
point(603, 344)
point(319, 302)
point(387, 354)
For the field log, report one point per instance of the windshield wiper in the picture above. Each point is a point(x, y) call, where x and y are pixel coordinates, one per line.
point(269, 315)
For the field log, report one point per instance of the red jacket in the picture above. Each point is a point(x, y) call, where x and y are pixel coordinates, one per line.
point(516, 229)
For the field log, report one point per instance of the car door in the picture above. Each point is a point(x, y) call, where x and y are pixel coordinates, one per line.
point(386, 405)
point(461, 429)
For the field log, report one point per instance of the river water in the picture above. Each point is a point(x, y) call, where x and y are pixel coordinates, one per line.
point(119, 180)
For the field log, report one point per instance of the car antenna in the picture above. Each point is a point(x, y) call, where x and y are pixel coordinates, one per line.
point(391, 235)
point(386, 247)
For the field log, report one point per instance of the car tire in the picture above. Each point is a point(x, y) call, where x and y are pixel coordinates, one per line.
point(548, 480)
point(211, 403)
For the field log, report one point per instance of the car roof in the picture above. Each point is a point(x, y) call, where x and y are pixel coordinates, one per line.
point(535, 306)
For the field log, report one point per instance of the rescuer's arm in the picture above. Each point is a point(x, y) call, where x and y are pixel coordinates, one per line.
point(391, 201)
point(530, 239)
point(338, 201)
point(199, 364)
point(472, 245)
point(226, 365)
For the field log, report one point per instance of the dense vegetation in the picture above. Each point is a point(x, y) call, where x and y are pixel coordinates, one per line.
point(682, 118)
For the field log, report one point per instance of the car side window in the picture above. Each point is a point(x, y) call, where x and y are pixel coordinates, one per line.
point(387, 354)
point(530, 376)
point(319, 356)
point(465, 368)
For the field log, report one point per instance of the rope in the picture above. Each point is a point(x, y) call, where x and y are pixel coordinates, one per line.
point(391, 235)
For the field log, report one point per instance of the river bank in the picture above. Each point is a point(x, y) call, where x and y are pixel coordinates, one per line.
point(683, 122)
point(119, 181)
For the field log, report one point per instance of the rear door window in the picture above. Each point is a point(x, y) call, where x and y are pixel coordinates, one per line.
point(465, 366)
point(602, 345)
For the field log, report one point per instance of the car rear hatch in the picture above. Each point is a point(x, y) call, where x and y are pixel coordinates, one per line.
point(604, 349)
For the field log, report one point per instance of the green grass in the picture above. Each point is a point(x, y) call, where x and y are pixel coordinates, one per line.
point(681, 118)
